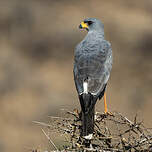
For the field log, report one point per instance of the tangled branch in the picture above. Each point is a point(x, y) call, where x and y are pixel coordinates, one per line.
point(112, 133)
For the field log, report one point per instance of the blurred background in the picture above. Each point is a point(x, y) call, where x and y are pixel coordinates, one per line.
point(37, 41)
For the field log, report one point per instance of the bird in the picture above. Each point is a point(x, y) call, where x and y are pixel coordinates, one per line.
point(92, 67)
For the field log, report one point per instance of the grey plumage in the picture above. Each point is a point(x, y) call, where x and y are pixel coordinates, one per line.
point(92, 63)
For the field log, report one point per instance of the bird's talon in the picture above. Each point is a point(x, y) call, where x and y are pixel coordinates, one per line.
point(76, 112)
point(108, 113)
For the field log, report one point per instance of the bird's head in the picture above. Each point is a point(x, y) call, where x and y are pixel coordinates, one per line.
point(92, 24)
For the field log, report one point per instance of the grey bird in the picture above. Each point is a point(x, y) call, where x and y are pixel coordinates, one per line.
point(92, 66)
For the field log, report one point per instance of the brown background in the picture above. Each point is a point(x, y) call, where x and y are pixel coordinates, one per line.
point(37, 40)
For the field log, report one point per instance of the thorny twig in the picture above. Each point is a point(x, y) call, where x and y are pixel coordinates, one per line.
point(49, 139)
point(112, 133)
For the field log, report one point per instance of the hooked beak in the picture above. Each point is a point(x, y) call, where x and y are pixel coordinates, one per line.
point(83, 26)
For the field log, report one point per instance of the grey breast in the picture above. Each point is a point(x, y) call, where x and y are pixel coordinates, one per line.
point(93, 61)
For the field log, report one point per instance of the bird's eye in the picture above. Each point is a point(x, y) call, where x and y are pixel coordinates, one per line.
point(90, 22)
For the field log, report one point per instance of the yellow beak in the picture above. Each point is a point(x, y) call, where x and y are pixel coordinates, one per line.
point(83, 26)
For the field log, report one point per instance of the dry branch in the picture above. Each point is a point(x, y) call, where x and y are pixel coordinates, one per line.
point(112, 133)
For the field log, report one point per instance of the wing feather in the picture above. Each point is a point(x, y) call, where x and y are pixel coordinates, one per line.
point(94, 62)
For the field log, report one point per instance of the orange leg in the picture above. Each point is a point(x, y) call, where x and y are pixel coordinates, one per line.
point(105, 106)
point(105, 103)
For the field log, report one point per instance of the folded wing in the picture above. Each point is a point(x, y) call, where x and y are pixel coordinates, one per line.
point(93, 65)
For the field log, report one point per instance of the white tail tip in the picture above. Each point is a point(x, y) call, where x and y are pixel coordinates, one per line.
point(88, 136)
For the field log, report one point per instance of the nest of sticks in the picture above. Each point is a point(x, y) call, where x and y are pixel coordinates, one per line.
point(112, 133)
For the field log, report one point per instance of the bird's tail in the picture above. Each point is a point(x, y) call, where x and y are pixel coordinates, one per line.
point(87, 102)
point(88, 124)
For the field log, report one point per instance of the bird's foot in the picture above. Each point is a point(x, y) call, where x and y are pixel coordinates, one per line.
point(107, 113)
point(76, 112)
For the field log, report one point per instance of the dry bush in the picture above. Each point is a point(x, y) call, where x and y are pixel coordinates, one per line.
point(112, 133)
